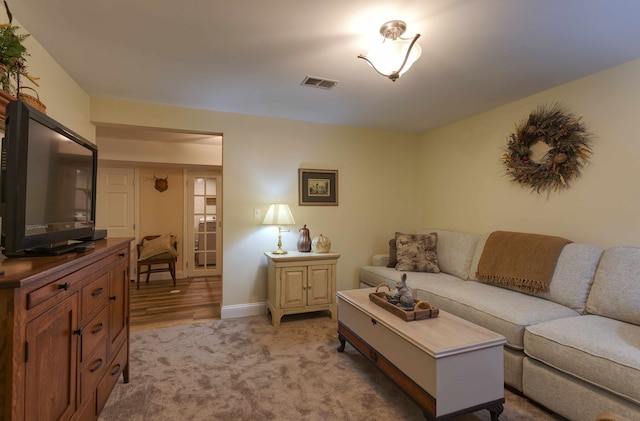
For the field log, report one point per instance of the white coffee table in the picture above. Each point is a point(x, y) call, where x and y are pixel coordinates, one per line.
point(447, 365)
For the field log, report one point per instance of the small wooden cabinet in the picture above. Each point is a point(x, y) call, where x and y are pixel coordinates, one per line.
point(64, 332)
point(300, 283)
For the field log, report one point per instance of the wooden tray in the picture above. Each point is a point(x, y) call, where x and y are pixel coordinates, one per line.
point(422, 310)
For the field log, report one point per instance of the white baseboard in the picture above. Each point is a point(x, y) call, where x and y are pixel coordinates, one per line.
point(243, 310)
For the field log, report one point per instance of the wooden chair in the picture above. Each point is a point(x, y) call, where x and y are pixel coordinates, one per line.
point(162, 259)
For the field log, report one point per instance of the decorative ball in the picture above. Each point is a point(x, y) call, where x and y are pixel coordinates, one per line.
point(321, 244)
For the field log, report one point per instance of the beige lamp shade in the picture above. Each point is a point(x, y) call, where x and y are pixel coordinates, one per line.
point(279, 214)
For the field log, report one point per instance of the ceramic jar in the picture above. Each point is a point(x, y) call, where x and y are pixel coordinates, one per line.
point(321, 244)
point(304, 240)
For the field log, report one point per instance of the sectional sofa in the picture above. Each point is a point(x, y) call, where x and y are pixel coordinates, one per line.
point(574, 348)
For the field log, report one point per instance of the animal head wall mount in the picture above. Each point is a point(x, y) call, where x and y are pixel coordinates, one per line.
point(162, 184)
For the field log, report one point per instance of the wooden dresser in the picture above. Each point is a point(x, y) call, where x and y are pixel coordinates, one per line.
point(64, 332)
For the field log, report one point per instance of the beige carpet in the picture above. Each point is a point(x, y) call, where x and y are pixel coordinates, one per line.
point(245, 369)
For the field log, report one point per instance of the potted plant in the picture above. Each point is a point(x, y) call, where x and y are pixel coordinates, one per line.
point(12, 55)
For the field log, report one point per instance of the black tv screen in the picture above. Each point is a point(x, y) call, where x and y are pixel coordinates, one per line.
point(48, 184)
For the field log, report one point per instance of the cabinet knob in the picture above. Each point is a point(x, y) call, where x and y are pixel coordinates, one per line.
point(78, 331)
point(116, 370)
point(97, 366)
point(113, 297)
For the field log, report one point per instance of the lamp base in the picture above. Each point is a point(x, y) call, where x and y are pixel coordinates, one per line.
point(279, 250)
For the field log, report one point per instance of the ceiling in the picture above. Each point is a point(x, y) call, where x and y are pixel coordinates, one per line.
point(250, 56)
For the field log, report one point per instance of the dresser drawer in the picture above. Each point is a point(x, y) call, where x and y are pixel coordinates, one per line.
point(111, 377)
point(59, 288)
point(94, 334)
point(94, 295)
point(93, 369)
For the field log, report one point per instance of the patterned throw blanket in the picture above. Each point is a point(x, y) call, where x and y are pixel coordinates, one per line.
point(519, 260)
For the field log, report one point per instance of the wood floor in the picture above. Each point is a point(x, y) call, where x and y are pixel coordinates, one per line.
point(159, 303)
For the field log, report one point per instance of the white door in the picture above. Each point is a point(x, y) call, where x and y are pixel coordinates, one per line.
point(115, 210)
point(204, 223)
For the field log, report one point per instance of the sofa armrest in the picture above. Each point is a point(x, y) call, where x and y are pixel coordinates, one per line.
point(379, 260)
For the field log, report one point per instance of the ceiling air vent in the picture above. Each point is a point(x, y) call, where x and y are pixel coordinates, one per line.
point(317, 82)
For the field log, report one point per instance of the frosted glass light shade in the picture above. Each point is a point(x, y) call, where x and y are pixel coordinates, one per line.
point(388, 57)
point(395, 55)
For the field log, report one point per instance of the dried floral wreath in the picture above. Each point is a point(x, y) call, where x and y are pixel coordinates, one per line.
point(569, 151)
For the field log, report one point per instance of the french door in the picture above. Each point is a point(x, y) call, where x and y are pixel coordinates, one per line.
point(204, 223)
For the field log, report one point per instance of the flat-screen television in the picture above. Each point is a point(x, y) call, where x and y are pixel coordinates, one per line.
point(47, 184)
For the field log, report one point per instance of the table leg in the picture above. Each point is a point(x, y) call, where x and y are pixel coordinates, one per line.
point(495, 411)
point(342, 340)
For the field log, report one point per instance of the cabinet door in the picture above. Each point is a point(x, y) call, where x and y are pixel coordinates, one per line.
point(118, 305)
point(51, 362)
point(293, 287)
point(319, 284)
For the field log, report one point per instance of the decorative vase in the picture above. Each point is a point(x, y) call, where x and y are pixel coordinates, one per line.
point(304, 240)
point(321, 244)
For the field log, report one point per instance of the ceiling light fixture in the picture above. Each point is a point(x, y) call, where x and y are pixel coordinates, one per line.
point(395, 55)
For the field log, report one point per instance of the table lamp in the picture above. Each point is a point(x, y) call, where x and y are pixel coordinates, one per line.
point(279, 214)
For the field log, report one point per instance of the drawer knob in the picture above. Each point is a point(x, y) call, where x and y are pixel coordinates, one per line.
point(374, 322)
point(97, 292)
point(64, 286)
point(98, 328)
point(122, 254)
point(97, 366)
point(116, 370)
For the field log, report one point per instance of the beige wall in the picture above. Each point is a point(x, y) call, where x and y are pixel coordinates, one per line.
point(65, 100)
point(261, 157)
point(161, 212)
point(188, 154)
point(463, 186)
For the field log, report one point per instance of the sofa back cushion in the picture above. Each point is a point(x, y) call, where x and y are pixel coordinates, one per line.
point(616, 288)
point(572, 277)
point(455, 251)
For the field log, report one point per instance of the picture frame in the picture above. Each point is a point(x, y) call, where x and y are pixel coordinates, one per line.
point(317, 187)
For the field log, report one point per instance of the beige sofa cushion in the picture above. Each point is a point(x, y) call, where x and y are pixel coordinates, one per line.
point(616, 289)
point(455, 251)
point(599, 350)
point(574, 275)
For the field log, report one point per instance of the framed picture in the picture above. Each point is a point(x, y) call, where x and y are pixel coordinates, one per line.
point(317, 187)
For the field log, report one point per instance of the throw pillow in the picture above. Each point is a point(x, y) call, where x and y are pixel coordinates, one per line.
point(417, 252)
point(158, 246)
